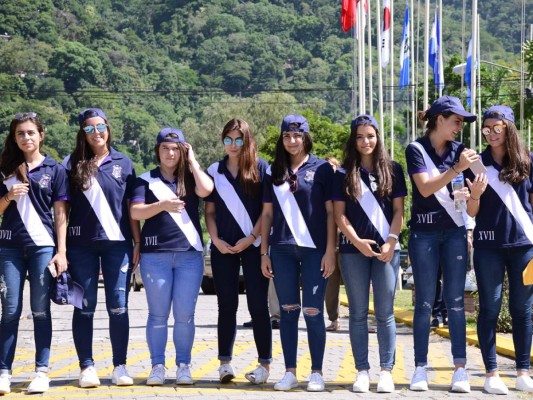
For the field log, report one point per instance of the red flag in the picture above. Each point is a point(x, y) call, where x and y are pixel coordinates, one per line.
point(348, 14)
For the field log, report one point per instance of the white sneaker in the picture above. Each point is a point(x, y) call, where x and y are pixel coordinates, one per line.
point(183, 376)
point(157, 376)
point(89, 378)
point(460, 382)
point(419, 381)
point(5, 383)
point(362, 382)
point(385, 383)
point(524, 383)
point(288, 382)
point(120, 376)
point(316, 383)
point(258, 375)
point(494, 385)
point(39, 384)
point(226, 373)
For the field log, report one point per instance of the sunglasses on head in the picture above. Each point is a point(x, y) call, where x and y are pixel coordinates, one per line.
point(293, 182)
point(229, 141)
point(497, 129)
point(25, 115)
point(90, 129)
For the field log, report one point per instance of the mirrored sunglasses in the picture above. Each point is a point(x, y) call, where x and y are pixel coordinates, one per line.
point(90, 129)
point(373, 183)
point(25, 115)
point(497, 129)
point(229, 141)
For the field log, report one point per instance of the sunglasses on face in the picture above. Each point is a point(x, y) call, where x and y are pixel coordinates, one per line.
point(90, 129)
point(229, 141)
point(497, 129)
point(24, 115)
point(293, 182)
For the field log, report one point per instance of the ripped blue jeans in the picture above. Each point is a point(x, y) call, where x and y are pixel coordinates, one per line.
point(427, 250)
point(291, 265)
point(114, 258)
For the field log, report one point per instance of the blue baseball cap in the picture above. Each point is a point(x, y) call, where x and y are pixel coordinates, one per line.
point(90, 113)
point(294, 123)
point(364, 119)
point(450, 104)
point(499, 112)
point(163, 135)
point(66, 291)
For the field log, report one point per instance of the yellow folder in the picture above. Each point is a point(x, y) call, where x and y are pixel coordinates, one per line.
point(527, 274)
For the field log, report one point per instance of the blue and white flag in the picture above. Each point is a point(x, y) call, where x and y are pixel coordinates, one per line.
point(435, 53)
point(467, 75)
point(405, 52)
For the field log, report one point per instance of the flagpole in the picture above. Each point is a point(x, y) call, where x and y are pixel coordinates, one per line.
point(473, 76)
point(478, 50)
point(426, 55)
point(441, 54)
point(361, 43)
point(413, 109)
point(380, 73)
point(355, 66)
point(370, 79)
point(391, 65)
point(522, 77)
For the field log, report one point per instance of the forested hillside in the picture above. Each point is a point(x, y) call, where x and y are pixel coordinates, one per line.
point(195, 64)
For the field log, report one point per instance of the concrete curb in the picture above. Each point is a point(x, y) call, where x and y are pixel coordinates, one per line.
point(504, 346)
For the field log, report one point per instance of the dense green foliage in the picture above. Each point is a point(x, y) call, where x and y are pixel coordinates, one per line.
point(195, 64)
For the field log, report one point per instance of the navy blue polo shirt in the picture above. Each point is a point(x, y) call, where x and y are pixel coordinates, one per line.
point(495, 225)
point(427, 214)
point(228, 228)
point(315, 179)
point(48, 183)
point(161, 233)
point(355, 213)
point(116, 177)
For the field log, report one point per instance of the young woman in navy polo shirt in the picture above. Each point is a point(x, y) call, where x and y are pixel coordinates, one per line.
point(503, 242)
point(33, 184)
point(99, 237)
point(232, 216)
point(438, 234)
point(167, 198)
point(297, 206)
point(368, 200)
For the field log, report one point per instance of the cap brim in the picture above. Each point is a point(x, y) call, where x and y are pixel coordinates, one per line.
point(76, 296)
point(469, 117)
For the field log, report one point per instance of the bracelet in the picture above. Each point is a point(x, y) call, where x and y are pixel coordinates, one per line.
point(264, 254)
point(454, 170)
point(137, 242)
point(394, 236)
point(252, 234)
point(473, 198)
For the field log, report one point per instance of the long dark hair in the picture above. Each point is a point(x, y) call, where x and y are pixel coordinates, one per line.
point(182, 172)
point(381, 163)
point(516, 164)
point(280, 165)
point(249, 177)
point(12, 161)
point(83, 161)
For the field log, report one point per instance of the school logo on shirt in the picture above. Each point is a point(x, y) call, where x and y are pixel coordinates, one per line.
point(5, 234)
point(150, 241)
point(117, 171)
point(44, 182)
point(309, 176)
point(486, 235)
point(424, 218)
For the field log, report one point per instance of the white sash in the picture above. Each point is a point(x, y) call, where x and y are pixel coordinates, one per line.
point(233, 202)
point(373, 211)
point(442, 195)
point(103, 212)
point(293, 216)
point(510, 199)
point(163, 192)
point(30, 218)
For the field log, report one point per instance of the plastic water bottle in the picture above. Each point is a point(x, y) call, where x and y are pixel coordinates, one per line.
point(459, 200)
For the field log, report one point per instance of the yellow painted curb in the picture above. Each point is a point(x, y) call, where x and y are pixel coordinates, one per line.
point(504, 346)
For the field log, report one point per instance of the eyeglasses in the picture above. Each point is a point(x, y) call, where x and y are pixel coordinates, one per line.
point(90, 129)
point(497, 129)
point(293, 182)
point(373, 183)
point(26, 115)
point(229, 141)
